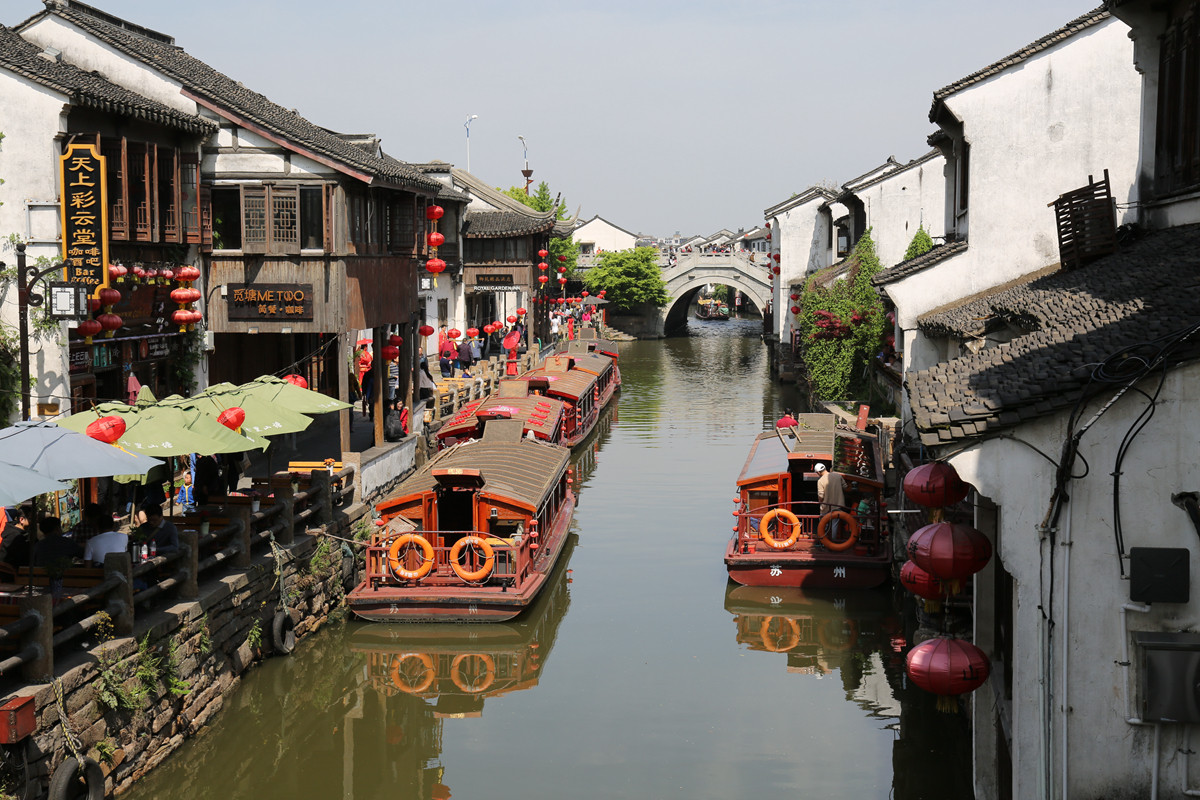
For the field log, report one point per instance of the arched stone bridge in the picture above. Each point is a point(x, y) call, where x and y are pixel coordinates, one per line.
point(693, 271)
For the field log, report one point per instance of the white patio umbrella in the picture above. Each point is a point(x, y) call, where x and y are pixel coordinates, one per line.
point(18, 484)
point(63, 454)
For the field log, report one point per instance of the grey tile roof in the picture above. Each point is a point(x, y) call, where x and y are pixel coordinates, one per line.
point(497, 224)
point(160, 53)
point(912, 266)
point(1072, 321)
point(89, 89)
point(1073, 27)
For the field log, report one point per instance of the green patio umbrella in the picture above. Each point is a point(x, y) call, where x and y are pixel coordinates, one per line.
point(167, 429)
point(263, 417)
point(279, 392)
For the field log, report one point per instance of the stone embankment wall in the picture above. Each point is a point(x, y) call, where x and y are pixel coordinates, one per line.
point(131, 702)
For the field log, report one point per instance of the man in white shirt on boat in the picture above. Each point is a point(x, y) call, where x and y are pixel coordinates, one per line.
point(831, 491)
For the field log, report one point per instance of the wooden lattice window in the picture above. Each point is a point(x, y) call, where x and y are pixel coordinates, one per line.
point(113, 151)
point(141, 190)
point(189, 196)
point(1087, 224)
point(284, 232)
point(168, 194)
point(274, 220)
point(254, 219)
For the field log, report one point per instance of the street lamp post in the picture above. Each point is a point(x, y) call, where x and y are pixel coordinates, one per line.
point(467, 125)
point(527, 172)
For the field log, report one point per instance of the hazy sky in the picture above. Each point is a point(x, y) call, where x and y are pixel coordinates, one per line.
point(659, 116)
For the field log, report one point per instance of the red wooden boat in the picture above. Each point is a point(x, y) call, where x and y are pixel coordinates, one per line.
point(473, 535)
point(803, 543)
point(543, 416)
point(584, 381)
point(459, 667)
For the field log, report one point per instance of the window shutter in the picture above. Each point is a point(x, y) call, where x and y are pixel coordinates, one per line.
point(206, 234)
point(171, 229)
point(118, 200)
point(189, 179)
point(285, 220)
point(141, 189)
point(254, 219)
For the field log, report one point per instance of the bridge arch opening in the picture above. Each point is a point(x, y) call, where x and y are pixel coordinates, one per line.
point(677, 313)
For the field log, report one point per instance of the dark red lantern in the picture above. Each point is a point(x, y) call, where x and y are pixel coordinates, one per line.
point(110, 322)
point(512, 319)
point(434, 212)
point(425, 330)
point(543, 253)
point(454, 333)
point(89, 328)
point(395, 340)
point(232, 417)
point(793, 296)
point(935, 485)
point(795, 309)
point(117, 272)
point(776, 257)
point(109, 297)
point(297, 380)
point(390, 352)
point(436, 239)
point(106, 429)
point(921, 583)
point(562, 258)
point(949, 551)
point(93, 305)
point(520, 312)
point(561, 270)
point(775, 270)
point(167, 274)
point(435, 265)
point(946, 666)
point(472, 332)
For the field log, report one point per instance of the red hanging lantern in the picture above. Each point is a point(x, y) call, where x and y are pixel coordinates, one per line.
point(584, 293)
point(435, 239)
point(435, 265)
point(543, 266)
point(167, 274)
point(562, 281)
point(793, 296)
point(296, 380)
point(182, 296)
point(562, 258)
point(935, 485)
point(232, 417)
point(181, 317)
point(89, 328)
point(109, 297)
point(488, 329)
point(434, 212)
point(472, 332)
point(543, 253)
point(93, 305)
point(110, 322)
point(196, 316)
point(512, 319)
point(453, 333)
point(946, 666)
point(425, 330)
point(768, 225)
point(543, 279)
point(921, 583)
point(187, 274)
point(520, 312)
point(496, 324)
point(390, 352)
point(776, 257)
point(117, 273)
point(561, 301)
point(948, 551)
point(151, 275)
point(602, 293)
point(775, 270)
point(562, 270)
point(795, 309)
point(106, 429)
point(395, 340)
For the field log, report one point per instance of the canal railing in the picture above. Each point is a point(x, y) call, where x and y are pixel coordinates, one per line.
point(43, 627)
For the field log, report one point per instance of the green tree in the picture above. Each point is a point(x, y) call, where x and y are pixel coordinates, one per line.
point(841, 327)
point(542, 200)
point(629, 278)
point(920, 245)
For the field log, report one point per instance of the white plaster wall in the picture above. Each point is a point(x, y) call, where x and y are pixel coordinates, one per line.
point(900, 203)
point(89, 54)
point(604, 235)
point(1104, 752)
point(29, 168)
point(800, 234)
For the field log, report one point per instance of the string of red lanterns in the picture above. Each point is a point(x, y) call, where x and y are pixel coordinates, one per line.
point(435, 240)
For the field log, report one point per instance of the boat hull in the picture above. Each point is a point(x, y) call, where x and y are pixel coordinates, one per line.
point(807, 569)
point(465, 603)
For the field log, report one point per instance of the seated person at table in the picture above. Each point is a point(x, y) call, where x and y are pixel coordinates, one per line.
point(99, 546)
point(54, 551)
point(15, 548)
point(162, 533)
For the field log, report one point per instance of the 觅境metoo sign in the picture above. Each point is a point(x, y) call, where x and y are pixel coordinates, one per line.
point(85, 217)
point(271, 301)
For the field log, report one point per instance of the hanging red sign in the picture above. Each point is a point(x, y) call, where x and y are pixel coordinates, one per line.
point(84, 194)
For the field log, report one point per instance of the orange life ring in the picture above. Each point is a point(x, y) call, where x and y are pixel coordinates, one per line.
point(784, 515)
point(780, 644)
point(403, 685)
point(489, 672)
point(847, 640)
point(396, 562)
point(823, 528)
point(489, 558)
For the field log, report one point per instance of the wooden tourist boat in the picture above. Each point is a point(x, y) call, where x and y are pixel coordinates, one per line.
point(588, 342)
point(544, 417)
point(460, 666)
point(473, 535)
point(584, 381)
point(803, 544)
point(711, 309)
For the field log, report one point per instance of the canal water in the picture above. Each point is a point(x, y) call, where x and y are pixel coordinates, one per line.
point(641, 672)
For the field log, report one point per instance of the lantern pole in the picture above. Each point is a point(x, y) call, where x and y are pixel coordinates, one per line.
point(27, 278)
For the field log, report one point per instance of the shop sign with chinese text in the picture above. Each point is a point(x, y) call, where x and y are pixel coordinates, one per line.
point(271, 301)
point(85, 217)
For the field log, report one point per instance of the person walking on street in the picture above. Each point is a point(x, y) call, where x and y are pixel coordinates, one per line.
point(464, 357)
